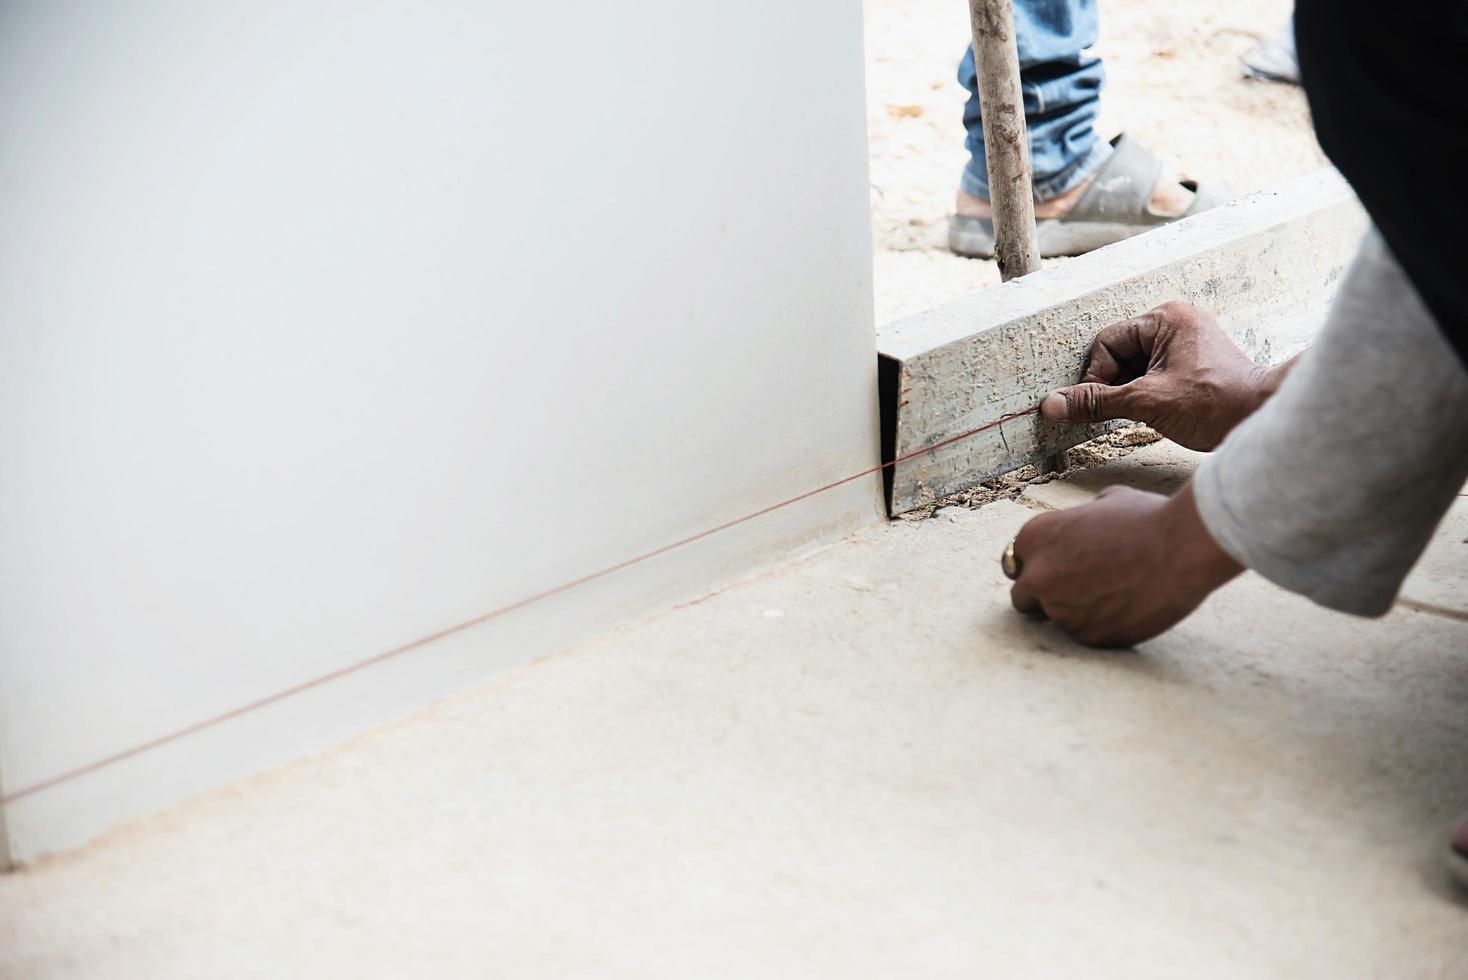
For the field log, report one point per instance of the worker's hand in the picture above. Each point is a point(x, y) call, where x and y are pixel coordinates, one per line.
point(1119, 570)
point(1173, 368)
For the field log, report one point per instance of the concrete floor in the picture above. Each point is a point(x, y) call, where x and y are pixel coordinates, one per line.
point(862, 764)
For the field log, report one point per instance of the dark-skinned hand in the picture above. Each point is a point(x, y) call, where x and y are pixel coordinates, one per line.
point(1173, 368)
point(1121, 569)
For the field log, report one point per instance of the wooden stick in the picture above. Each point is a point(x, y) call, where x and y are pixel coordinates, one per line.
point(1006, 137)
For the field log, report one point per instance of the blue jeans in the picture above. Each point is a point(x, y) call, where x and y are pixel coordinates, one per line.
point(1062, 94)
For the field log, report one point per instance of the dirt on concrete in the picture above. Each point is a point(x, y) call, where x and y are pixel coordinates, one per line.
point(1011, 486)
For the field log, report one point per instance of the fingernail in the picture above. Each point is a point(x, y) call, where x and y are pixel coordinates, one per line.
point(1055, 407)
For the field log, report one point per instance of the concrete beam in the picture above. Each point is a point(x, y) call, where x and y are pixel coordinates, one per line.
point(1266, 266)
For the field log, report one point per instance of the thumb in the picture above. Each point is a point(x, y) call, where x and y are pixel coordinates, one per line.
point(1090, 402)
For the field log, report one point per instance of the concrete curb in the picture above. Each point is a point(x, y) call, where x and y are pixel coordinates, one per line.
point(1266, 265)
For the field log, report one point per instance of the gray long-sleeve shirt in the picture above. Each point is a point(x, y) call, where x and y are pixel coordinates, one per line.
point(1333, 488)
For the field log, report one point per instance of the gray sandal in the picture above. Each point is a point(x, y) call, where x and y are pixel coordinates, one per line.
point(1112, 208)
point(1274, 59)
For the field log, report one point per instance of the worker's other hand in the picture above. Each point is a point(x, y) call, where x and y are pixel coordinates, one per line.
point(1173, 368)
point(1121, 569)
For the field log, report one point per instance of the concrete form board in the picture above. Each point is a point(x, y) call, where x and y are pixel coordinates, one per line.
point(1266, 266)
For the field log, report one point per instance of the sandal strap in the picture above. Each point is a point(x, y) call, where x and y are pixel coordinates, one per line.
point(1122, 188)
point(1208, 195)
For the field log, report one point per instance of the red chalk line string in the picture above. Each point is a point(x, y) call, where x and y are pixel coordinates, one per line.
point(423, 641)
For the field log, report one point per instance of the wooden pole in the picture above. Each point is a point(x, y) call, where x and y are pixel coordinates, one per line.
point(1006, 137)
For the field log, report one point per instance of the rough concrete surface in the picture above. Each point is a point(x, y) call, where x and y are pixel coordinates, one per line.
point(1267, 266)
point(862, 764)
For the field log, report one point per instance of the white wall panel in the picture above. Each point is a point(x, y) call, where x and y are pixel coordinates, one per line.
point(326, 325)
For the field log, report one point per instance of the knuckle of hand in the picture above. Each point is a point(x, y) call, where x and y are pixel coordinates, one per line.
point(1045, 581)
point(1177, 310)
point(1037, 579)
point(1030, 539)
point(1071, 623)
point(1090, 402)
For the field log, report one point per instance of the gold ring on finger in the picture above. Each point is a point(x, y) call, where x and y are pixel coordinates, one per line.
point(1009, 561)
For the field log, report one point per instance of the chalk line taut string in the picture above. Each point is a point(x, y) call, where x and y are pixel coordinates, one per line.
point(504, 610)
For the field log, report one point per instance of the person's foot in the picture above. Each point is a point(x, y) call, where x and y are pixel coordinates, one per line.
point(1130, 193)
point(1169, 200)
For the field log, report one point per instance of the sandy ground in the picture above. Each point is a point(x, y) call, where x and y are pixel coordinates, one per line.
point(1173, 82)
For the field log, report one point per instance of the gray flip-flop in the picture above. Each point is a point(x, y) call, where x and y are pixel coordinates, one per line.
point(1274, 59)
point(1113, 207)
